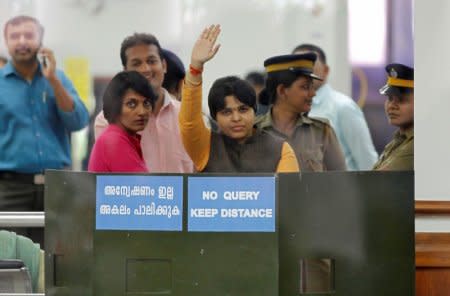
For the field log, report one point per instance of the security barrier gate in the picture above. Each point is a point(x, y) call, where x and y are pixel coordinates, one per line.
point(337, 233)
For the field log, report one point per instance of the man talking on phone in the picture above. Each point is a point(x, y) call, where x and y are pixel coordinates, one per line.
point(39, 108)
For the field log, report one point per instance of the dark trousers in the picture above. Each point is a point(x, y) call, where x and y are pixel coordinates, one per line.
point(19, 196)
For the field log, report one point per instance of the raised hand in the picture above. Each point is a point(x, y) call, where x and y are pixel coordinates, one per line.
point(205, 48)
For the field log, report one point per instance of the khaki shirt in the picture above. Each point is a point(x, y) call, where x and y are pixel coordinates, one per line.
point(398, 155)
point(314, 143)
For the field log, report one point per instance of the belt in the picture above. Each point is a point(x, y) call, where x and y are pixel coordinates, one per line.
point(37, 179)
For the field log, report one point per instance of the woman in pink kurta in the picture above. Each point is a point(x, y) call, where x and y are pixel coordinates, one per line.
point(127, 103)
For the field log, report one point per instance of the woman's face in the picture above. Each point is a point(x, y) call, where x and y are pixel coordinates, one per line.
point(400, 110)
point(298, 95)
point(236, 120)
point(135, 111)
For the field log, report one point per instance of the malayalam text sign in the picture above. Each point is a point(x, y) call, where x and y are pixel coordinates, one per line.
point(135, 202)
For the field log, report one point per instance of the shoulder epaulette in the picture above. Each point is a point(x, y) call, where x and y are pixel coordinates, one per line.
point(319, 120)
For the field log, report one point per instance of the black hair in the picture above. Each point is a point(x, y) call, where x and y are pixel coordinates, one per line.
point(171, 82)
point(17, 20)
point(138, 39)
point(256, 78)
point(230, 86)
point(118, 86)
point(314, 48)
point(404, 90)
point(175, 71)
point(286, 78)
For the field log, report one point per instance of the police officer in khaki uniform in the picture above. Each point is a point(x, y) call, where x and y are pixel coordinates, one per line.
point(399, 106)
point(289, 87)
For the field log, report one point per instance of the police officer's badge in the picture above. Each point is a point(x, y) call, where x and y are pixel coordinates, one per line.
point(393, 73)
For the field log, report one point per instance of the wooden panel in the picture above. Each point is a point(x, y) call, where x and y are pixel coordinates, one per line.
point(432, 264)
point(433, 249)
point(432, 207)
point(432, 281)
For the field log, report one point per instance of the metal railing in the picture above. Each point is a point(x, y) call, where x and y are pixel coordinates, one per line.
point(22, 294)
point(22, 219)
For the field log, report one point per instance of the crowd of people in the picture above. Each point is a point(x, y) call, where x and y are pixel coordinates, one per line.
point(152, 119)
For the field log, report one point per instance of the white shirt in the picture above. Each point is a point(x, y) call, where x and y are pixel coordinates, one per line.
point(350, 126)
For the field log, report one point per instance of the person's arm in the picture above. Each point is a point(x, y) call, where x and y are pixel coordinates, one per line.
point(333, 158)
point(356, 137)
point(63, 99)
point(70, 107)
point(195, 136)
point(288, 162)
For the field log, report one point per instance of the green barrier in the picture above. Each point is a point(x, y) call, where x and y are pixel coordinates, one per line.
point(336, 234)
point(356, 226)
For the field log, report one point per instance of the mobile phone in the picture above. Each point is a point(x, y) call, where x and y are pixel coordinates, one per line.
point(43, 61)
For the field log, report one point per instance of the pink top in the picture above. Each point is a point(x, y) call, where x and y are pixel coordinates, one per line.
point(117, 151)
point(161, 143)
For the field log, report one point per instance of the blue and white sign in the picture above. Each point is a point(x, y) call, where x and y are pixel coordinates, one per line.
point(139, 203)
point(231, 204)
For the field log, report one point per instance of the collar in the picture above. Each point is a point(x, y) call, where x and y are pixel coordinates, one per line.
point(304, 119)
point(9, 70)
point(168, 99)
point(266, 121)
point(169, 103)
point(117, 128)
point(321, 94)
point(407, 135)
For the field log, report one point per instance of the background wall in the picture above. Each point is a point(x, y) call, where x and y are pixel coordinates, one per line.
point(252, 30)
point(432, 108)
point(432, 105)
